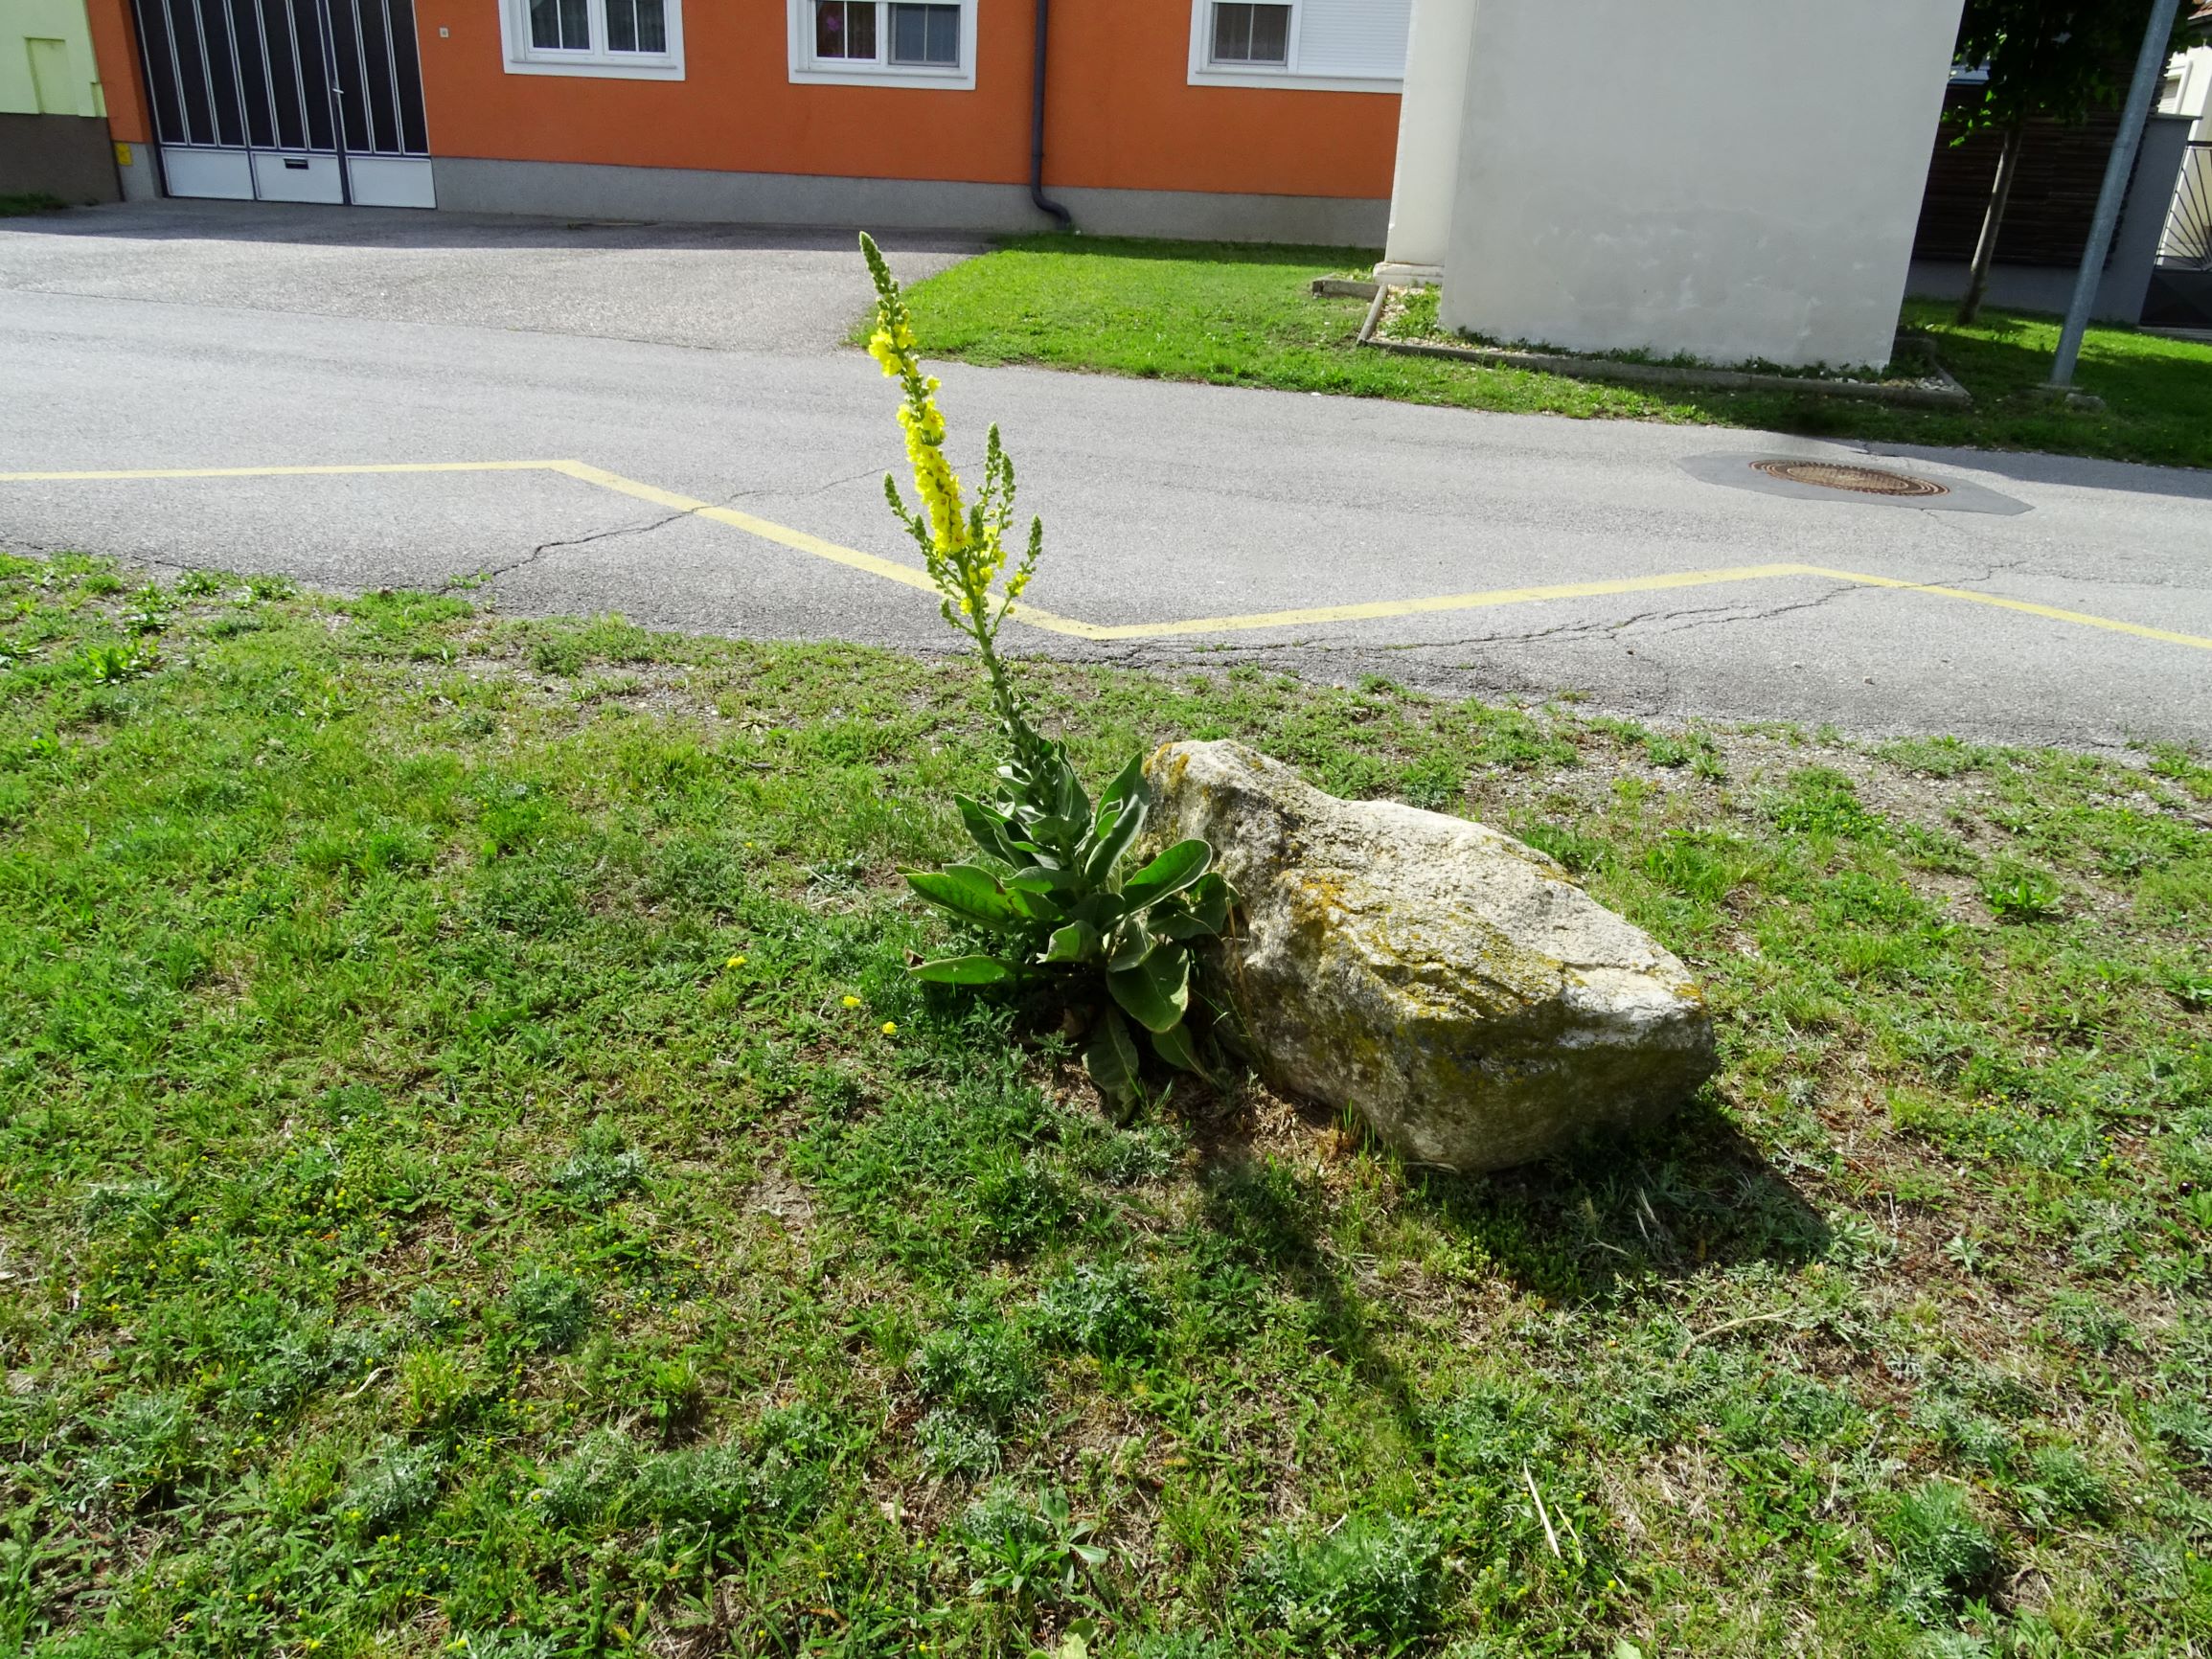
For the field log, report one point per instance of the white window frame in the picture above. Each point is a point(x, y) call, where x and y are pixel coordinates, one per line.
point(1205, 72)
point(809, 70)
point(525, 59)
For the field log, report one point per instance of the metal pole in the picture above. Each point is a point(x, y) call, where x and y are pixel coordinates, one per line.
point(2149, 65)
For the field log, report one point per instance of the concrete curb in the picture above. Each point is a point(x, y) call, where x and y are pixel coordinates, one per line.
point(1938, 390)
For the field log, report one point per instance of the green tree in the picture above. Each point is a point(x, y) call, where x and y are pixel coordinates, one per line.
point(2061, 59)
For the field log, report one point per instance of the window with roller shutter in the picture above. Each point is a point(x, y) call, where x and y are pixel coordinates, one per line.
point(1322, 45)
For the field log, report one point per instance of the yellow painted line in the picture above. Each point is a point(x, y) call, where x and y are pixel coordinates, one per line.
point(2027, 606)
point(800, 541)
point(284, 471)
point(1497, 596)
point(1034, 616)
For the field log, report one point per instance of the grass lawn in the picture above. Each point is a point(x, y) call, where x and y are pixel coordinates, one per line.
point(37, 202)
point(477, 1179)
point(1238, 314)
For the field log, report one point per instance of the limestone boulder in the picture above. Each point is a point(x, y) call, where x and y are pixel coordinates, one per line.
point(1453, 985)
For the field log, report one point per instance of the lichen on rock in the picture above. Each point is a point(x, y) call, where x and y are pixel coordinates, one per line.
point(1454, 987)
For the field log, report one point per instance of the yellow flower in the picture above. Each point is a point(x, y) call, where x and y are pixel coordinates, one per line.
point(852, 1002)
point(735, 962)
point(890, 1027)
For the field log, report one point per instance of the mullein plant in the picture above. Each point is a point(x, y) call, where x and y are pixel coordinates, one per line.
point(1045, 896)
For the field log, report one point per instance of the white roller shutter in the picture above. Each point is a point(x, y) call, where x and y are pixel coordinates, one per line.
point(1364, 38)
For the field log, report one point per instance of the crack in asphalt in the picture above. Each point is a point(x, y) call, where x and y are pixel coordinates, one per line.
point(493, 573)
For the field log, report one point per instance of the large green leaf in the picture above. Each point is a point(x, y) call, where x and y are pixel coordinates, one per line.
point(1173, 1045)
point(1068, 800)
point(1116, 827)
point(1111, 1058)
point(1129, 785)
point(1173, 871)
point(1157, 990)
point(966, 971)
point(1037, 906)
point(1077, 942)
point(990, 829)
point(1044, 879)
point(1130, 945)
point(972, 894)
point(1200, 910)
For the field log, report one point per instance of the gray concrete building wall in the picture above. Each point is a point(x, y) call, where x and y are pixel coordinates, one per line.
point(59, 155)
point(592, 191)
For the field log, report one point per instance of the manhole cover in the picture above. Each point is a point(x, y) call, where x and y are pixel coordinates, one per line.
point(1859, 479)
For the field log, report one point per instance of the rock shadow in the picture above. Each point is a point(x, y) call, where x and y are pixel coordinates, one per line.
point(1692, 1197)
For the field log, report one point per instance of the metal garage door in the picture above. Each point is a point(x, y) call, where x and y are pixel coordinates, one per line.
point(288, 100)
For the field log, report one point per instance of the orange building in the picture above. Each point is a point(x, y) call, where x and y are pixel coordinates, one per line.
point(1183, 118)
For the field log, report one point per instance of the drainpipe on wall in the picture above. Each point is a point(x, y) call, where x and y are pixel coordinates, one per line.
point(1045, 203)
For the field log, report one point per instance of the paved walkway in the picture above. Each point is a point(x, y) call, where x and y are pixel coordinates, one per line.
point(737, 489)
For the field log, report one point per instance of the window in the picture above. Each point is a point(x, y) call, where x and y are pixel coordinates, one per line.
point(925, 34)
point(1319, 45)
point(634, 39)
point(1247, 33)
point(845, 29)
point(885, 42)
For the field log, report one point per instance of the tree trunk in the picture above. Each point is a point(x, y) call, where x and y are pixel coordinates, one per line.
point(1985, 250)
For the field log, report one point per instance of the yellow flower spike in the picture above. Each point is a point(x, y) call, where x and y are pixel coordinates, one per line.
point(852, 1002)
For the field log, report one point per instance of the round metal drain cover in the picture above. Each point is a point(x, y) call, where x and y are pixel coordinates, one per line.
point(1859, 479)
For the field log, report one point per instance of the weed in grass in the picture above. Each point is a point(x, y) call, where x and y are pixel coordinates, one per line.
point(1943, 1553)
point(1432, 783)
point(1020, 1202)
point(2060, 1487)
point(1127, 1157)
point(2183, 1422)
point(1030, 1552)
point(2085, 1323)
point(590, 1481)
point(1821, 800)
point(2016, 891)
point(112, 665)
point(601, 1168)
point(548, 1310)
point(954, 1443)
point(1369, 1580)
point(396, 1484)
point(1102, 1309)
point(980, 1364)
point(141, 1447)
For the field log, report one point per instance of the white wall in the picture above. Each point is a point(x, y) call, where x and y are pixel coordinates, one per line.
point(2188, 87)
point(1733, 180)
point(1428, 124)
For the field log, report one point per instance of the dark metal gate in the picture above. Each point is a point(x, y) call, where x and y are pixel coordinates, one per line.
point(288, 100)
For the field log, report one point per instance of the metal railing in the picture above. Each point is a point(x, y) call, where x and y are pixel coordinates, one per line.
point(2188, 240)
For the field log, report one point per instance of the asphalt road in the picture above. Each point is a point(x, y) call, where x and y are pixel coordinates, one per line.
point(158, 339)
